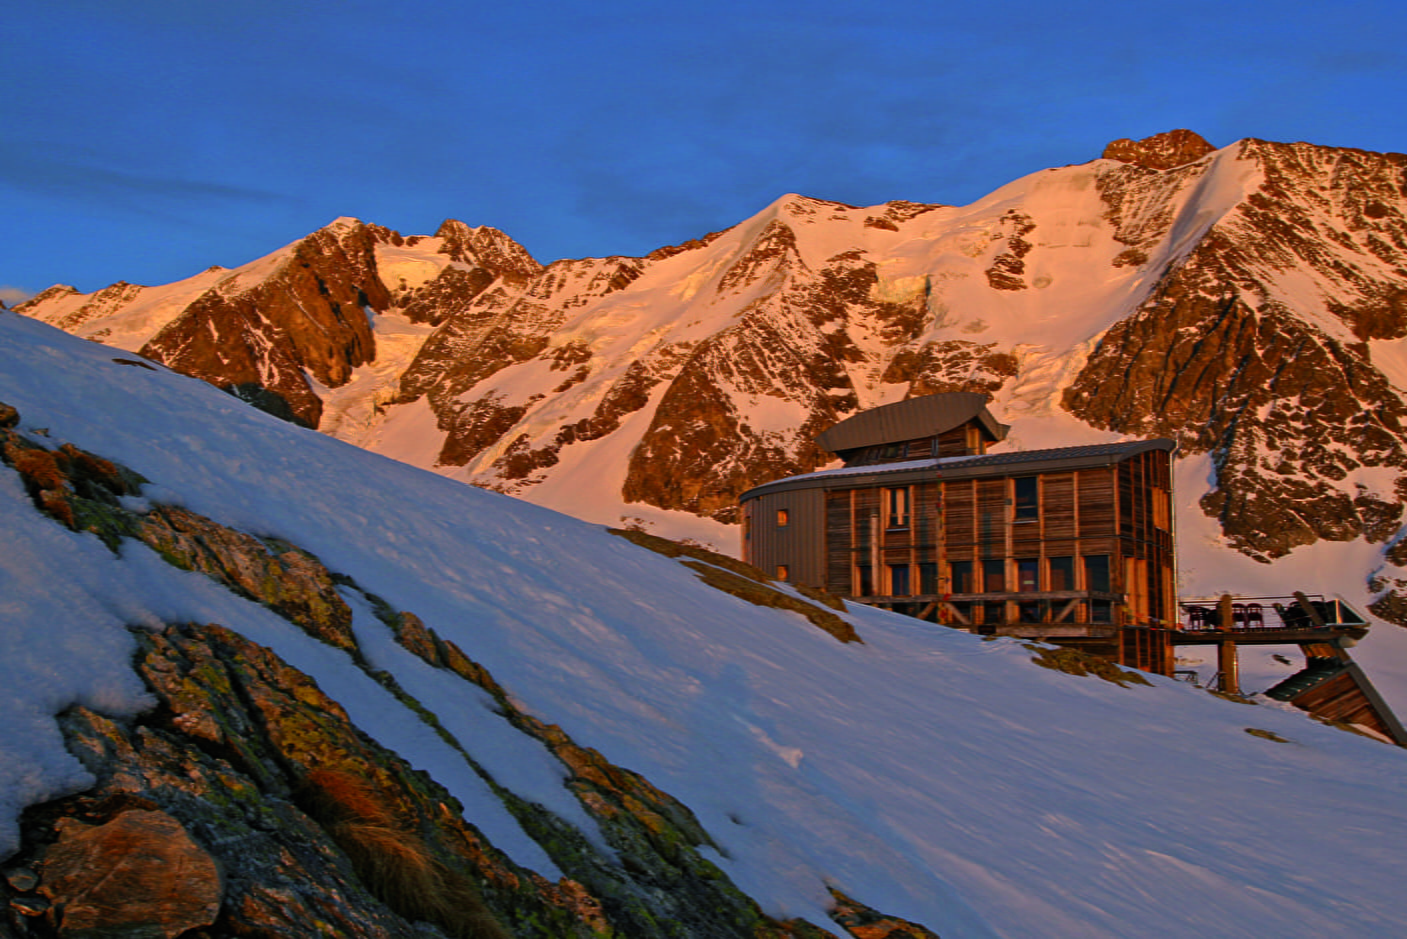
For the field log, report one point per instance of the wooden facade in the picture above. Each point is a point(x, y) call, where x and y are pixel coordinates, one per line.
point(1072, 545)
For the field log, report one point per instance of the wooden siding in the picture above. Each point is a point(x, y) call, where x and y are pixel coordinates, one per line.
point(1116, 514)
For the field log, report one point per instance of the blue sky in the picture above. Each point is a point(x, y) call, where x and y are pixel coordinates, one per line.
point(148, 139)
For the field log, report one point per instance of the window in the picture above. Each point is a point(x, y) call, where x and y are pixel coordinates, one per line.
point(782, 572)
point(960, 573)
point(899, 580)
point(994, 576)
point(1101, 611)
point(1026, 507)
point(1028, 574)
point(994, 613)
point(927, 578)
point(896, 505)
point(1061, 573)
point(864, 578)
point(1097, 574)
point(783, 518)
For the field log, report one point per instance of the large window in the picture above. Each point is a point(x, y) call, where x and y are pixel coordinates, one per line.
point(1028, 574)
point(1097, 572)
point(1026, 506)
point(1061, 573)
point(899, 580)
point(994, 576)
point(896, 507)
point(960, 574)
point(927, 578)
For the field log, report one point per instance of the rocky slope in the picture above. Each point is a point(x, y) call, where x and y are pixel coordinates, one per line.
point(246, 802)
point(1246, 301)
point(259, 682)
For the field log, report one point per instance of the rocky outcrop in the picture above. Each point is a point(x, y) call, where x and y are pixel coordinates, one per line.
point(1161, 151)
point(246, 802)
point(312, 314)
point(138, 874)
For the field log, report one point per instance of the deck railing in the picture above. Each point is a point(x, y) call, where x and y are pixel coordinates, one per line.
point(1296, 612)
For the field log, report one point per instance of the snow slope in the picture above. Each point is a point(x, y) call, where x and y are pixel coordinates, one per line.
point(928, 773)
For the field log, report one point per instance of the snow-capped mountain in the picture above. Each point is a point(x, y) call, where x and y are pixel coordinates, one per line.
point(1247, 301)
point(262, 683)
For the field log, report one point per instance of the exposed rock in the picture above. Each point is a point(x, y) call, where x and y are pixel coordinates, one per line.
point(863, 922)
point(138, 875)
point(1161, 151)
point(291, 582)
point(247, 802)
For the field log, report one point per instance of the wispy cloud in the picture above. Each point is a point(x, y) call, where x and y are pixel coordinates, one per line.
point(64, 178)
point(13, 296)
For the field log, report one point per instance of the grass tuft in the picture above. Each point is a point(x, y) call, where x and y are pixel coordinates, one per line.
point(1074, 662)
point(763, 595)
point(393, 861)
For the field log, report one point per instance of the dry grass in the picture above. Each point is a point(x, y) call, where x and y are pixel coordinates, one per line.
point(392, 861)
point(673, 549)
point(1075, 662)
point(763, 595)
point(1266, 735)
point(747, 582)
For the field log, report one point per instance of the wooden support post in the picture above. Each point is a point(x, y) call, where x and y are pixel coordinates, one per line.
point(1229, 666)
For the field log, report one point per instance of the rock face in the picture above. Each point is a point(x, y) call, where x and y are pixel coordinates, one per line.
point(1247, 301)
point(1161, 151)
point(246, 801)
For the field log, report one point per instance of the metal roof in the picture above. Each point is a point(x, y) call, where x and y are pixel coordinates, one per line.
point(923, 416)
point(1011, 463)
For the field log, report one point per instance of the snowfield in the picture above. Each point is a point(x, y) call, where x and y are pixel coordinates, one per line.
point(927, 773)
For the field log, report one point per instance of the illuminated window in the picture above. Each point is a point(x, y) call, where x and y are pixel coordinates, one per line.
point(783, 518)
point(896, 502)
point(782, 572)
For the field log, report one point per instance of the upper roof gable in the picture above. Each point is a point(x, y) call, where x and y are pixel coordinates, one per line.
point(912, 419)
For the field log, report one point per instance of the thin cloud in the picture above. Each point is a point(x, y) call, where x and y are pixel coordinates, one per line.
point(78, 181)
point(13, 296)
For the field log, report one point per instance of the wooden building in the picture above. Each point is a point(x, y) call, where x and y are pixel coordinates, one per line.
point(1072, 545)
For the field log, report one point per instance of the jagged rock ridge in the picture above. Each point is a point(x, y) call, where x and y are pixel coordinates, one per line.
point(1245, 301)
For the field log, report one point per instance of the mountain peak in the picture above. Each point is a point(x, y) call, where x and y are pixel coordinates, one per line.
point(1161, 151)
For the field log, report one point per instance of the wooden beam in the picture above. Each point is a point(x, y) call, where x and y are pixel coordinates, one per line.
point(957, 614)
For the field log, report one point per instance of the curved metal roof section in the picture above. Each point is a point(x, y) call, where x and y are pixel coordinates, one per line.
point(1011, 463)
point(911, 419)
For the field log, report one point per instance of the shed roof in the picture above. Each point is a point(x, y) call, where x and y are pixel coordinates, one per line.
point(924, 416)
point(1011, 463)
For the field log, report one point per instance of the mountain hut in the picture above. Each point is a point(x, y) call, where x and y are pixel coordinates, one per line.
point(1072, 545)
